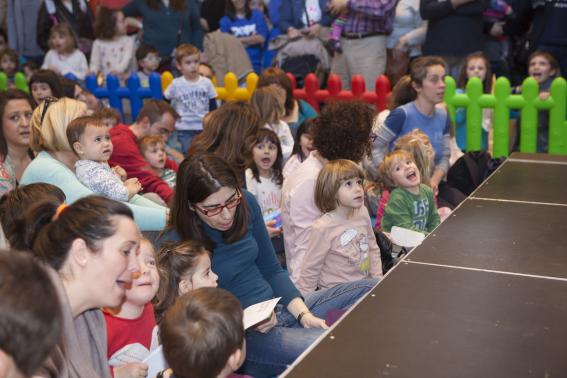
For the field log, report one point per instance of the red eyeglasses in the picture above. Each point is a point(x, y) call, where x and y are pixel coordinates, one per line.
point(230, 204)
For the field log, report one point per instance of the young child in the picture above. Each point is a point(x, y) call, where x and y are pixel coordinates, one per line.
point(411, 204)
point(476, 65)
point(113, 50)
point(342, 247)
point(206, 70)
point(153, 151)
point(64, 55)
point(45, 83)
point(90, 140)
point(131, 329)
point(302, 147)
point(191, 95)
point(148, 60)
point(203, 334)
point(182, 267)
point(9, 63)
point(269, 101)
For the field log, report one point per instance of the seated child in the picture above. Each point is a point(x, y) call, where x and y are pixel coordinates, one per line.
point(152, 148)
point(44, 84)
point(411, 204)
point(64, 56)
point(206, 70)
point(90, 141)
point(9, 64)
point(131, 329)
point(148, 61)
point(203, 334)
point(108, 116)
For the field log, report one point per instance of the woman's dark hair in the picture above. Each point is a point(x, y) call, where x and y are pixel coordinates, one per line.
point(48, 230)
point(5, 97)
point(402, 93)
point(230, 10)
point(267, 135)
point(197, 178)
point(306, 127)
point(50, 78)
point(487, 82)
point(277, 76)
point(175, 260)
point(343, 131)
point(105, 23)
point(177, 5)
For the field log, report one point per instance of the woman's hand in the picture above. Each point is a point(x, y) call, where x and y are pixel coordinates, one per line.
point(311, 321)
point(131, 370)
point(268, 324)
point(272, 230)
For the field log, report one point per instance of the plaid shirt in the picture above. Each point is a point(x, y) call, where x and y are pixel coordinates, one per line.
point(370, 16)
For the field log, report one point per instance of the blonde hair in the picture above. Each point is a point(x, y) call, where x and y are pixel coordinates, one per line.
point(50, 133)
point(185, 50)
point(388, 163)
point(417, 143)
point(150, 141)
point(330, 179)
point(269, 102)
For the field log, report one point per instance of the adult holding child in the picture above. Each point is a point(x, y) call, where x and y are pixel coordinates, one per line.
point(211, 208)
point(55, 159)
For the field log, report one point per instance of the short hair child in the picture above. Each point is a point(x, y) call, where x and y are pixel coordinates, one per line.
point(342, 247)
point(148, 60)
point(9, 62)
point(203, 334)
point(191, 95)
point(90, 140)
point(411, 204)
point(152, 148)
point(182, 267)
point(23, 317)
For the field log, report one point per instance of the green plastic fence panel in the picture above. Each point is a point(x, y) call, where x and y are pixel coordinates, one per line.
point(20, 81)
point(557, 123)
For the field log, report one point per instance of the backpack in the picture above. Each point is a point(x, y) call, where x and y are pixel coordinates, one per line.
point(471, 169)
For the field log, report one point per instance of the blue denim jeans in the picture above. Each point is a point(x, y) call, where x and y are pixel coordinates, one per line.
point(269, 354)
point(181, 139)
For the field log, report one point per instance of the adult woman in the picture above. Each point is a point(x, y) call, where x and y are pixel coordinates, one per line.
point(167, 24)
point(15, 155)
point(229, 142)
point(93, 240)
point(210, 207)
point(296, 111)
point(55, 160)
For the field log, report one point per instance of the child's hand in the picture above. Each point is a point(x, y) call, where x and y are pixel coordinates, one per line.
point(133, 186)
point(120, 172)
point(268, 324)
point(273, 231)
point(131, 370)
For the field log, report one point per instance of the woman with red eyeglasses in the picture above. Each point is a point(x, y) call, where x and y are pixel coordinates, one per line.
point(210, 207)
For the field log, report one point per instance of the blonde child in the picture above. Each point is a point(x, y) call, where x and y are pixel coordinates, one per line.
point(131, 329)
point(411, 204)
point(152, 148)
point(113, 50)
point(203, 334)
point(90, 140)
point(342, 247)
point(64, 56)
point(191, 95)
point(182, 267)
point(476, 65)
point(269, 101)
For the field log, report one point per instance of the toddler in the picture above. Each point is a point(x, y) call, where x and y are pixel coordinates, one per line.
point(206, 70)
point(411, 204)
point(152, 148)
point(302, 147)
point(64, 55)
point(203, 334)
point(9, 63)
point(148, 61)
point(44, 84)
point(342, 247)
point(90, 141)
point(131, 329)
point(113, 50)
point(191, 95)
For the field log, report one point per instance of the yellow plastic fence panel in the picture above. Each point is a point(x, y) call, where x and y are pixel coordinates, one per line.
point(232, 92)
point(166, 79)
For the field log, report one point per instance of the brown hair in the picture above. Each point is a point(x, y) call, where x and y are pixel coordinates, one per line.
point(50, 236)
point(402, 93)
point(185, 50)
point(388, 163)
point(225, 133)
point(197, 178)
point(230, 10)
point(77, 127)
point(154, 110)
point(175, 260)
point(487, 82)
point(105, 112)
point(418, 72)
point(277, 76)
point(66, 30)
point(343, 130)
point(417, 143)
point(105, 23)
point(5, 98)
point(330, 179)
point(550, 58)
point(10, 53)
point(267, 135)
point(150, 141)
point(201, 331)
point(269, 102)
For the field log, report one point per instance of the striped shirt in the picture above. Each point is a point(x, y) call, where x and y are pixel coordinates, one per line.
point(370, 16)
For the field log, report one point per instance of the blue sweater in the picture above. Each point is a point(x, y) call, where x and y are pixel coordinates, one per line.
point(248, 268)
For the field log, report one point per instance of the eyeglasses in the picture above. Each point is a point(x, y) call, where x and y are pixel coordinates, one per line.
point(230, 204)
point(373, 137)
point(47, 101)
point(152, 58)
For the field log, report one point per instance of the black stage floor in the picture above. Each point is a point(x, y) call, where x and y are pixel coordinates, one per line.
point(485, 295)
